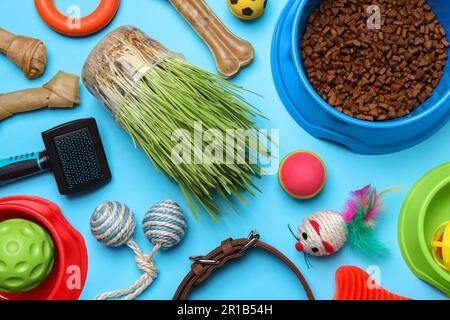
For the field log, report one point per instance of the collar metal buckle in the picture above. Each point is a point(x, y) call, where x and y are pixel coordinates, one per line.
point(252, 237)
point(203, 260)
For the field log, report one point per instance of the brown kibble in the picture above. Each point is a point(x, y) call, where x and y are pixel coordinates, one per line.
point(374, 75)
point(348, 113)
point(418, 41)
point(428, 44)
point(364, 117)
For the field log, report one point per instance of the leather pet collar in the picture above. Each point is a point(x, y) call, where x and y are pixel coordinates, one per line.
point(204, 266)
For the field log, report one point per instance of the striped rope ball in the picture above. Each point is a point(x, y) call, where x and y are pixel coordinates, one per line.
point(113, 224)
point(164, 224)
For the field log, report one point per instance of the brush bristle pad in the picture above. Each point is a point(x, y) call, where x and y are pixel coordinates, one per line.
point(78, 159)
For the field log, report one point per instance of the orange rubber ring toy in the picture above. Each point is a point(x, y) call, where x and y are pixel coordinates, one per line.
point(88, 25)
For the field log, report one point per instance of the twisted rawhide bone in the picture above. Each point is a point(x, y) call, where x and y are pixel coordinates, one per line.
point(230, 53)
point(60, 92)
point(28, 54)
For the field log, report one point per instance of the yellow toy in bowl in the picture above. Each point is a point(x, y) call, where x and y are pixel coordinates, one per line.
point(247, 9)
point(440, 245)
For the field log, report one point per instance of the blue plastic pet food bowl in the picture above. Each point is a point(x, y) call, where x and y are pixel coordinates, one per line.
point(321, 120)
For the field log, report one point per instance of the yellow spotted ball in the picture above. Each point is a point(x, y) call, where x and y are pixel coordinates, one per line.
point(247, 9)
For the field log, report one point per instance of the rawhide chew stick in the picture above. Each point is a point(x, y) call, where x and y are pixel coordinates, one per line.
point(62, 91)
point(230, 52)
point(28, 54)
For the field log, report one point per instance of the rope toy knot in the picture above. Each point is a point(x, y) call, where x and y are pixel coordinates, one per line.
point(113, 224)
point(146, 264)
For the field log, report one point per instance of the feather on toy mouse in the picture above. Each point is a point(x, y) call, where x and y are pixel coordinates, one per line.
point(325, 232)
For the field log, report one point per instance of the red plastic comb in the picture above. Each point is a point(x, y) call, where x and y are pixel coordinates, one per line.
point(352, 284)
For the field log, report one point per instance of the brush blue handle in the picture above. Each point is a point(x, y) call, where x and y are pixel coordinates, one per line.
point(25, 165)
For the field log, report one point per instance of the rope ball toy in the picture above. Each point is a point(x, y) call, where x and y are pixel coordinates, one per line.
point(113, 224)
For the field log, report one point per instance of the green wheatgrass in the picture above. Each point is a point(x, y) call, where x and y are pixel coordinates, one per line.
point(173, 94)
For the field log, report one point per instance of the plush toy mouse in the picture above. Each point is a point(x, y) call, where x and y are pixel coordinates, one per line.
point(325, 232)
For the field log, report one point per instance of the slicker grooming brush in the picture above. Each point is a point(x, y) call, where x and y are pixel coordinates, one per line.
point(74, 153)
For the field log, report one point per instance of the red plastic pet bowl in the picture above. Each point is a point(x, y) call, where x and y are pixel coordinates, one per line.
point(66, 281)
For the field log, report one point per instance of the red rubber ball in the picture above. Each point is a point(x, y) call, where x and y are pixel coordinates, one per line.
point(302, 174)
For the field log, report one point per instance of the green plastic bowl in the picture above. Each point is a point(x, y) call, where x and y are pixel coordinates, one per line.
point(425, 208)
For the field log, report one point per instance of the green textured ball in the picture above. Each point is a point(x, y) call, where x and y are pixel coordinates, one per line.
point(26, 255)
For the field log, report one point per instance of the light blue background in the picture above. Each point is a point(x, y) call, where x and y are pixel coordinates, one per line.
point(137, 183)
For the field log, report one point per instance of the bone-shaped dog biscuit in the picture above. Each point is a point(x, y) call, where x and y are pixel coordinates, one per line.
point(230, 53)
